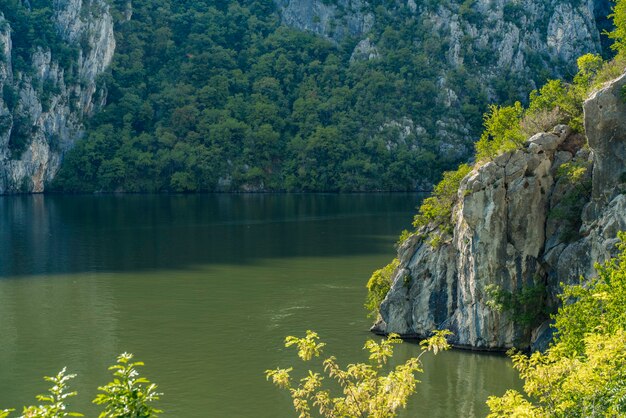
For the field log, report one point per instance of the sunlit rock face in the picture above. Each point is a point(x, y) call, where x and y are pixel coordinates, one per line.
point(41, 108)
point(506, 234)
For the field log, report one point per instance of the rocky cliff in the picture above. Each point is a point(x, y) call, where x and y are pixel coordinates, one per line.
point(506, 47)
point(529, 219)
point(42, 106)
point(516, 36)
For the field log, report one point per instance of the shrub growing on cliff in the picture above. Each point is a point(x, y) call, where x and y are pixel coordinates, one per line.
point(583, 373)
point(502, 133)
point(436, 210)
point(378, 286)
point(618, 35)
point(564, 101)
point(365, 391)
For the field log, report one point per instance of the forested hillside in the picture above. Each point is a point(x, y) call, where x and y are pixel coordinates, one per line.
point(212, 95)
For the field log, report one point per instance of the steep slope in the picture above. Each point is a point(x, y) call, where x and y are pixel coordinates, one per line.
point(52, 55)
point(483, 37)
point(362, 96)
point(513, 221)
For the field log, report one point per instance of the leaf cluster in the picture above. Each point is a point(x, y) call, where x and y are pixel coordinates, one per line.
point(525, 306)
point(126, 396)
point(378, 286)
point(365, 390)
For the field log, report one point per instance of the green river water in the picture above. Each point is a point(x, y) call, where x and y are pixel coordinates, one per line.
point(204, 289)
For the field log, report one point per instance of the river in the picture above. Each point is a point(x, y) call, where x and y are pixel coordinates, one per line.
point(204, 288)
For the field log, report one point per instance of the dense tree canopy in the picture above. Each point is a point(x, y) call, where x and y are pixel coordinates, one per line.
point(209, 95)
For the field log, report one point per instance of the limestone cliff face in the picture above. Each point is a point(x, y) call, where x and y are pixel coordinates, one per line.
point(491, 42)
point(507, 233)
point(556, 32)
point(51, 122)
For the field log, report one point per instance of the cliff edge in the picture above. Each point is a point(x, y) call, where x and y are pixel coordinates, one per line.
point(523, 223)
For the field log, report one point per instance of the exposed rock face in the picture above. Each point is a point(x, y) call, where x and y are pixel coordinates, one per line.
point(606, 129)
point(50, 123)
point(490, 42)
point(505, 235)
point(554, 31)
point(335, 20)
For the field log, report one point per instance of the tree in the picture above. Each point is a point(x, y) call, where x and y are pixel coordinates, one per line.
point(619, 23)
point(365, 392)
point(583, 372)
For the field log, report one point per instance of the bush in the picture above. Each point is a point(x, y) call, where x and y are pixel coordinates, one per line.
point(436, 211)
point(127, 396)
point(365, 391)
point(525, 306)
point(378, 286)
point(583, 372)
point(502, 132)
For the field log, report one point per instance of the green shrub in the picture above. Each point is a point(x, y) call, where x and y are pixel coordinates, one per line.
point(502, 132)
point(365, 390)
point(525, 306)
point(127, 396)
point(54, 402)
point(378, 286)
point(436, 211)
point(583, 372)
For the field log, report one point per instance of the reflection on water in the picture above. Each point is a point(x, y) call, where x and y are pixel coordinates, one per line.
point(204, 289)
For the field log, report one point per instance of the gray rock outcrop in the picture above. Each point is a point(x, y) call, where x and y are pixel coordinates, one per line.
point(507, 234)
point(49, 123)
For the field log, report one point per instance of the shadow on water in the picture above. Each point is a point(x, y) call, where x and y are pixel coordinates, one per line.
point(53, 234)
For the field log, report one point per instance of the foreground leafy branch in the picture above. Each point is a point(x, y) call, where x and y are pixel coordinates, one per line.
point(365, 390)
point(127, 396)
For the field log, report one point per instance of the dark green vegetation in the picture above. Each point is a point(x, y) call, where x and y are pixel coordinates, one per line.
point(207, 95)
point(32, 28)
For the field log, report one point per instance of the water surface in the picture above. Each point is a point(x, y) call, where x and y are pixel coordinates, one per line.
point(203, 289)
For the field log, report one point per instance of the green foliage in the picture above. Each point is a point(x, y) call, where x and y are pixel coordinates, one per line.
point(583, 372)
point(564, 101)
point(54, 402)
point(404, 235)
point(33, 26)
point(526, 306)
point(502, 132)
point(127, 396)
point(618, 35)
point(569, 208)
point(435, 211)
point(256, 105)
point(378, 286)
point(365, 390)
